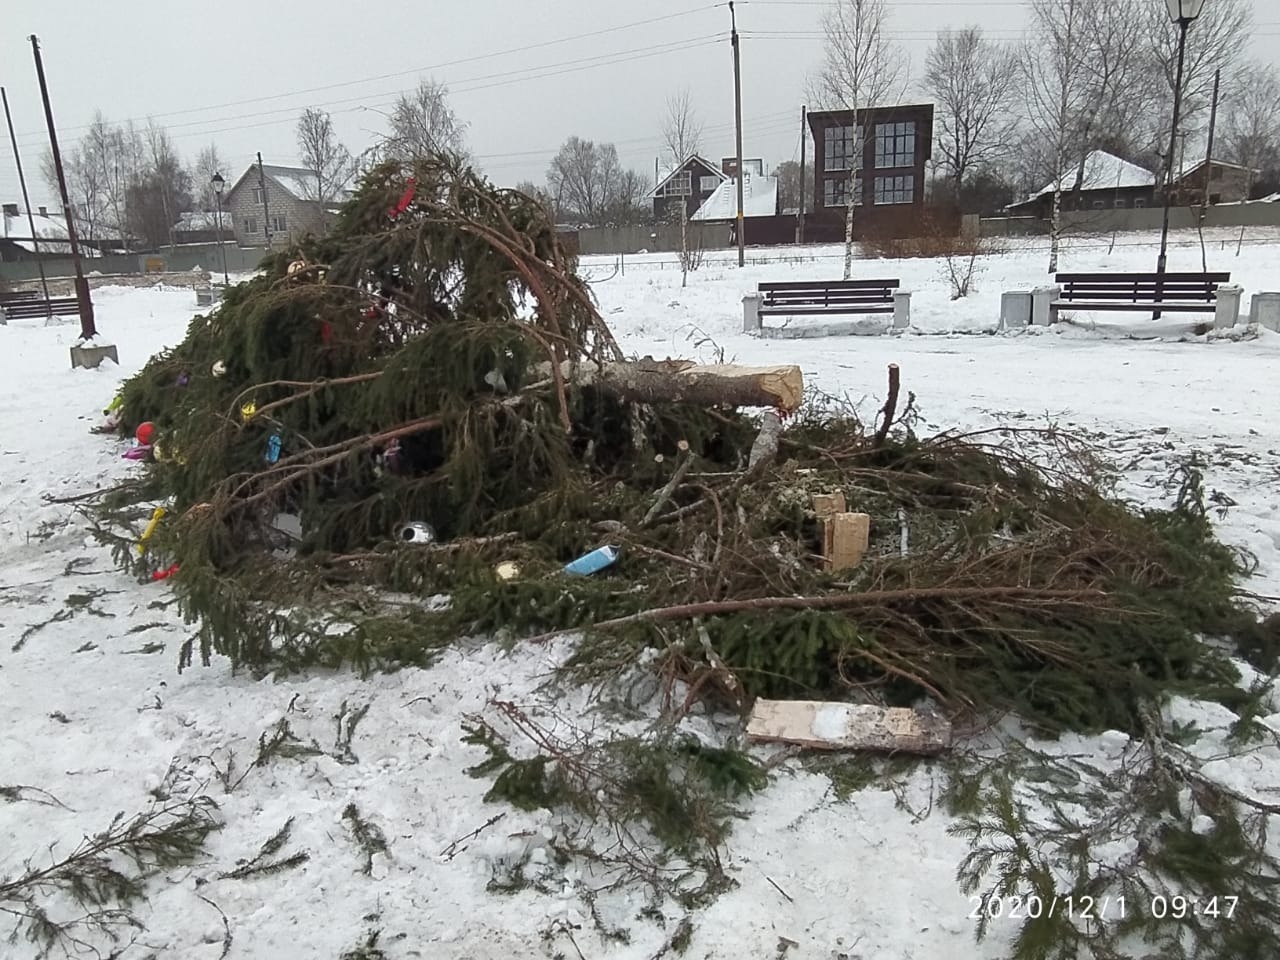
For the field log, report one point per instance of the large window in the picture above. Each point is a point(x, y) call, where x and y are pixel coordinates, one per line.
point(835, 191)
point(680, 185)
point(250, 225)
point(277, 223)
point(843, 148)
point(895, 189)
point(895, 145)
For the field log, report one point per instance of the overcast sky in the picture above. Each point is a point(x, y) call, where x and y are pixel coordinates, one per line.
point(524, 75)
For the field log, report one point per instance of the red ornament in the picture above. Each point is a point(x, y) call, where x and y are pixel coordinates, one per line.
point(405, 200)
point(145, 432)
point(326, 331)
point(166, 573)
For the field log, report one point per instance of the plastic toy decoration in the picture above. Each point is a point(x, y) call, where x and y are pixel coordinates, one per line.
point(164, 574)
point(247, 411)
point(145, 433)
point(274, 444)
point(407, 198)
point(150, 529)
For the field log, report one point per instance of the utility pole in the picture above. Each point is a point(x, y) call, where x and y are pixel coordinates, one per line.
point(737, 107)
point(26, 202)
point(1213, 123)
point(803, 151)
point(87, 329)
point(266, 214)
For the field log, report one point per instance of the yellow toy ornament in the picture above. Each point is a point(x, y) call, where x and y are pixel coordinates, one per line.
point(247, 411)
point(150, 529)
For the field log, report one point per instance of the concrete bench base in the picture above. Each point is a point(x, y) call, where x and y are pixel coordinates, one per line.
point(89, 356)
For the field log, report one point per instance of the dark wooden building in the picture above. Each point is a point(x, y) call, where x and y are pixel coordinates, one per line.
point(1109, 183)
point(692, 182)
point(885, 149)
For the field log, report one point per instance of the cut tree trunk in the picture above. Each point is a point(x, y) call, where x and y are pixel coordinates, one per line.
point(683, 381)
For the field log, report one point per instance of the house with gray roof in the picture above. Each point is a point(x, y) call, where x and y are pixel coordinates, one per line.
point(275, 205)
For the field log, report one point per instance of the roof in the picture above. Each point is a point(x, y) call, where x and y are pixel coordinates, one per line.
point(670, 172)
point(299, 182)
point(196, 220)
point(1193, 167)
point(53, 228)
point(759, 199)
point(1104, 171)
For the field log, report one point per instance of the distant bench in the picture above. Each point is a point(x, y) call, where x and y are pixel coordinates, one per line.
point(13, 296)
point(825, 298)
point(1146, 292)
point(32, 308)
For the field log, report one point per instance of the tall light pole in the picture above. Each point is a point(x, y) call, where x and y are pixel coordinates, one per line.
point(1183, 13)
point(218, 183)
point(737, 111)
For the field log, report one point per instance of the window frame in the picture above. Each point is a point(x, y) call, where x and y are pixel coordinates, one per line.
point(895, 145)
point(850, 157)
point(895, 190)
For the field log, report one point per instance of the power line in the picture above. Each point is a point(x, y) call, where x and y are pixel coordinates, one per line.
point(470, 85)
point(414, 71)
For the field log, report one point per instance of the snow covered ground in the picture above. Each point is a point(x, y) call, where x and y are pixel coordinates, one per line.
point(93, 711)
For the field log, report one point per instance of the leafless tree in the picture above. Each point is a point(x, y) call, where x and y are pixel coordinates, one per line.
point(974, 83)
point(100, 169)
point(788, 174)
point(1215, 41)
point(1251, 119)
point(583, 178)
point(208, 162)
point(423, 122)
point(682, 136)
point(861, 68)
point(160, 191)
point(1056, 77)
point(681, 128)
point(320, 151)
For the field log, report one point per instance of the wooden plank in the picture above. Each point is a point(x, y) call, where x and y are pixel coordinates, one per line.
point(818, 311)
point(1140, 307)
point(1129, 277)
point(827, 285)
point(848, 726)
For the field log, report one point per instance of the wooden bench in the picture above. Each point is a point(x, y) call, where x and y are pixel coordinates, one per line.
point(825, 298)
point(34, 308)
point(13, 296)
point(1148, 292)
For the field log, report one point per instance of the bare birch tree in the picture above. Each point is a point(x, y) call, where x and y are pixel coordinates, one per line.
point(861, 68)
point(974, 83)
point(320, 151)
point(682, 138)
point(1251, 119)
point(422, 121)
point(208, 162)
point(1055, 70)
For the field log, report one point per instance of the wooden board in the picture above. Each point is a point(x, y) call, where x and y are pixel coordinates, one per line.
point(848, 726)
point(682, 381)
point(828, 504)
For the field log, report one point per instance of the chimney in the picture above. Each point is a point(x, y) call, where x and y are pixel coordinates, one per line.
point(11, 210)
point(43, 211)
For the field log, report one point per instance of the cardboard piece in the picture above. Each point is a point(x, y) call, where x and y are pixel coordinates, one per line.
point(827, 504)
point(848, 726)
point(846, 538)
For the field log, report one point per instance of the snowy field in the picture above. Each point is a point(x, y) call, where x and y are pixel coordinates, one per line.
point(94, 713)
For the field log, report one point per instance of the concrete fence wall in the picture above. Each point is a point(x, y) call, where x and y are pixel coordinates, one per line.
point(1145, 218)
point(206, 256)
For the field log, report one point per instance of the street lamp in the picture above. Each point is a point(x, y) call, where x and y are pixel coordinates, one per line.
point(1183, 13)
point(218, 183)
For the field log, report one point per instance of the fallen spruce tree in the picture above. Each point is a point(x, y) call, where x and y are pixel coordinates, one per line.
point(435, 358)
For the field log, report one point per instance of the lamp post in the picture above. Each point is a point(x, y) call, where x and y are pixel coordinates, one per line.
point(1183, 13)
point(218, 183)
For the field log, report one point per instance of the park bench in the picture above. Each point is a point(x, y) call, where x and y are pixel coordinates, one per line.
point(1145, 292)
point(13, 296)
point(32, 308)
point(825, 298)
